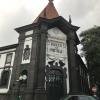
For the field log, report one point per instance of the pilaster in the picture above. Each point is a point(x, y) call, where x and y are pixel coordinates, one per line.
point(40, 92)
point(72, 63)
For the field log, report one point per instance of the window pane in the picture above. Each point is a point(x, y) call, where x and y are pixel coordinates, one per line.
point(4, 78)
point(8, 58)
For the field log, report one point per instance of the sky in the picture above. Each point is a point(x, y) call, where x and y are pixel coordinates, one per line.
point(17, 13)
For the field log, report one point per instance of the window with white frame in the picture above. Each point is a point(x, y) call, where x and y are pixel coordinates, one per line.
point(8, 59)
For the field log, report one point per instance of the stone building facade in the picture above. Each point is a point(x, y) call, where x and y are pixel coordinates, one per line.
point(44, 65)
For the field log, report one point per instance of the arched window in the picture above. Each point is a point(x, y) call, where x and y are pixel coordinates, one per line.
point(4, 78)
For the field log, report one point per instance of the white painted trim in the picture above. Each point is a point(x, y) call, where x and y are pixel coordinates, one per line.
point(10, 50)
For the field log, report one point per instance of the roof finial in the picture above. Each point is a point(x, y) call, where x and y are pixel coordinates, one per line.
point(50, 0)
point(70, 20)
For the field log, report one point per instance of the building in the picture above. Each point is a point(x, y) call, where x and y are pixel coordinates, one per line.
point(44, 65)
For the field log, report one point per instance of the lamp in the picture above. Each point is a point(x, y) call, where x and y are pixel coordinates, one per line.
point(21, 80)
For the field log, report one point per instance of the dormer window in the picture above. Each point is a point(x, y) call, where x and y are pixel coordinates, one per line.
point(8, 59)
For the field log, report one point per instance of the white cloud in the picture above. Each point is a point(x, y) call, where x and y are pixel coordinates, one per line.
point(9, 6)
point(16, 13)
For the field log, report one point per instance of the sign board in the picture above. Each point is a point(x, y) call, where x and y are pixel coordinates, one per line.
point(56, 47)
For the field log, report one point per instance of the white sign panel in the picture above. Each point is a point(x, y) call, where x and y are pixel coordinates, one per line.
point(56, 48)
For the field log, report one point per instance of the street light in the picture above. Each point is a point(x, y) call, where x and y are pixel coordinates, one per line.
point(21, 80)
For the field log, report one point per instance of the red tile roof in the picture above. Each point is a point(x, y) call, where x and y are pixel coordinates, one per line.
point(49, 12)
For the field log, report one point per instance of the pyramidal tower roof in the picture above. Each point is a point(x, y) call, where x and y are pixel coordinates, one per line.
point(49, 12)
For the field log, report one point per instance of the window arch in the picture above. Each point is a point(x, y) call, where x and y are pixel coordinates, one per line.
point(5, 78)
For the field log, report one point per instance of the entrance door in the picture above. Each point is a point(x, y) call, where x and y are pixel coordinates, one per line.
point(55, 84)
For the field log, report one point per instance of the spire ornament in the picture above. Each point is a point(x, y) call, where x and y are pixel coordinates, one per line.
point(70, 20)
point(51, 0)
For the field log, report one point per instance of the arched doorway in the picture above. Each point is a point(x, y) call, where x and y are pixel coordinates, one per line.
point(55, 84)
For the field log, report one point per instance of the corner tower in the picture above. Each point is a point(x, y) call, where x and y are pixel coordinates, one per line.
point(45, 59)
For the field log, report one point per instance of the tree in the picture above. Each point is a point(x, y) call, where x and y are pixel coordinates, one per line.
point(90, 39)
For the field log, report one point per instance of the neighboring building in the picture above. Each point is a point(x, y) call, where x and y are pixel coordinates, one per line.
point(7, 55)
point(44, 65)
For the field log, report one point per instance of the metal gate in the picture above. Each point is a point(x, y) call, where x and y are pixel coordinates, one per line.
point(54, 84)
